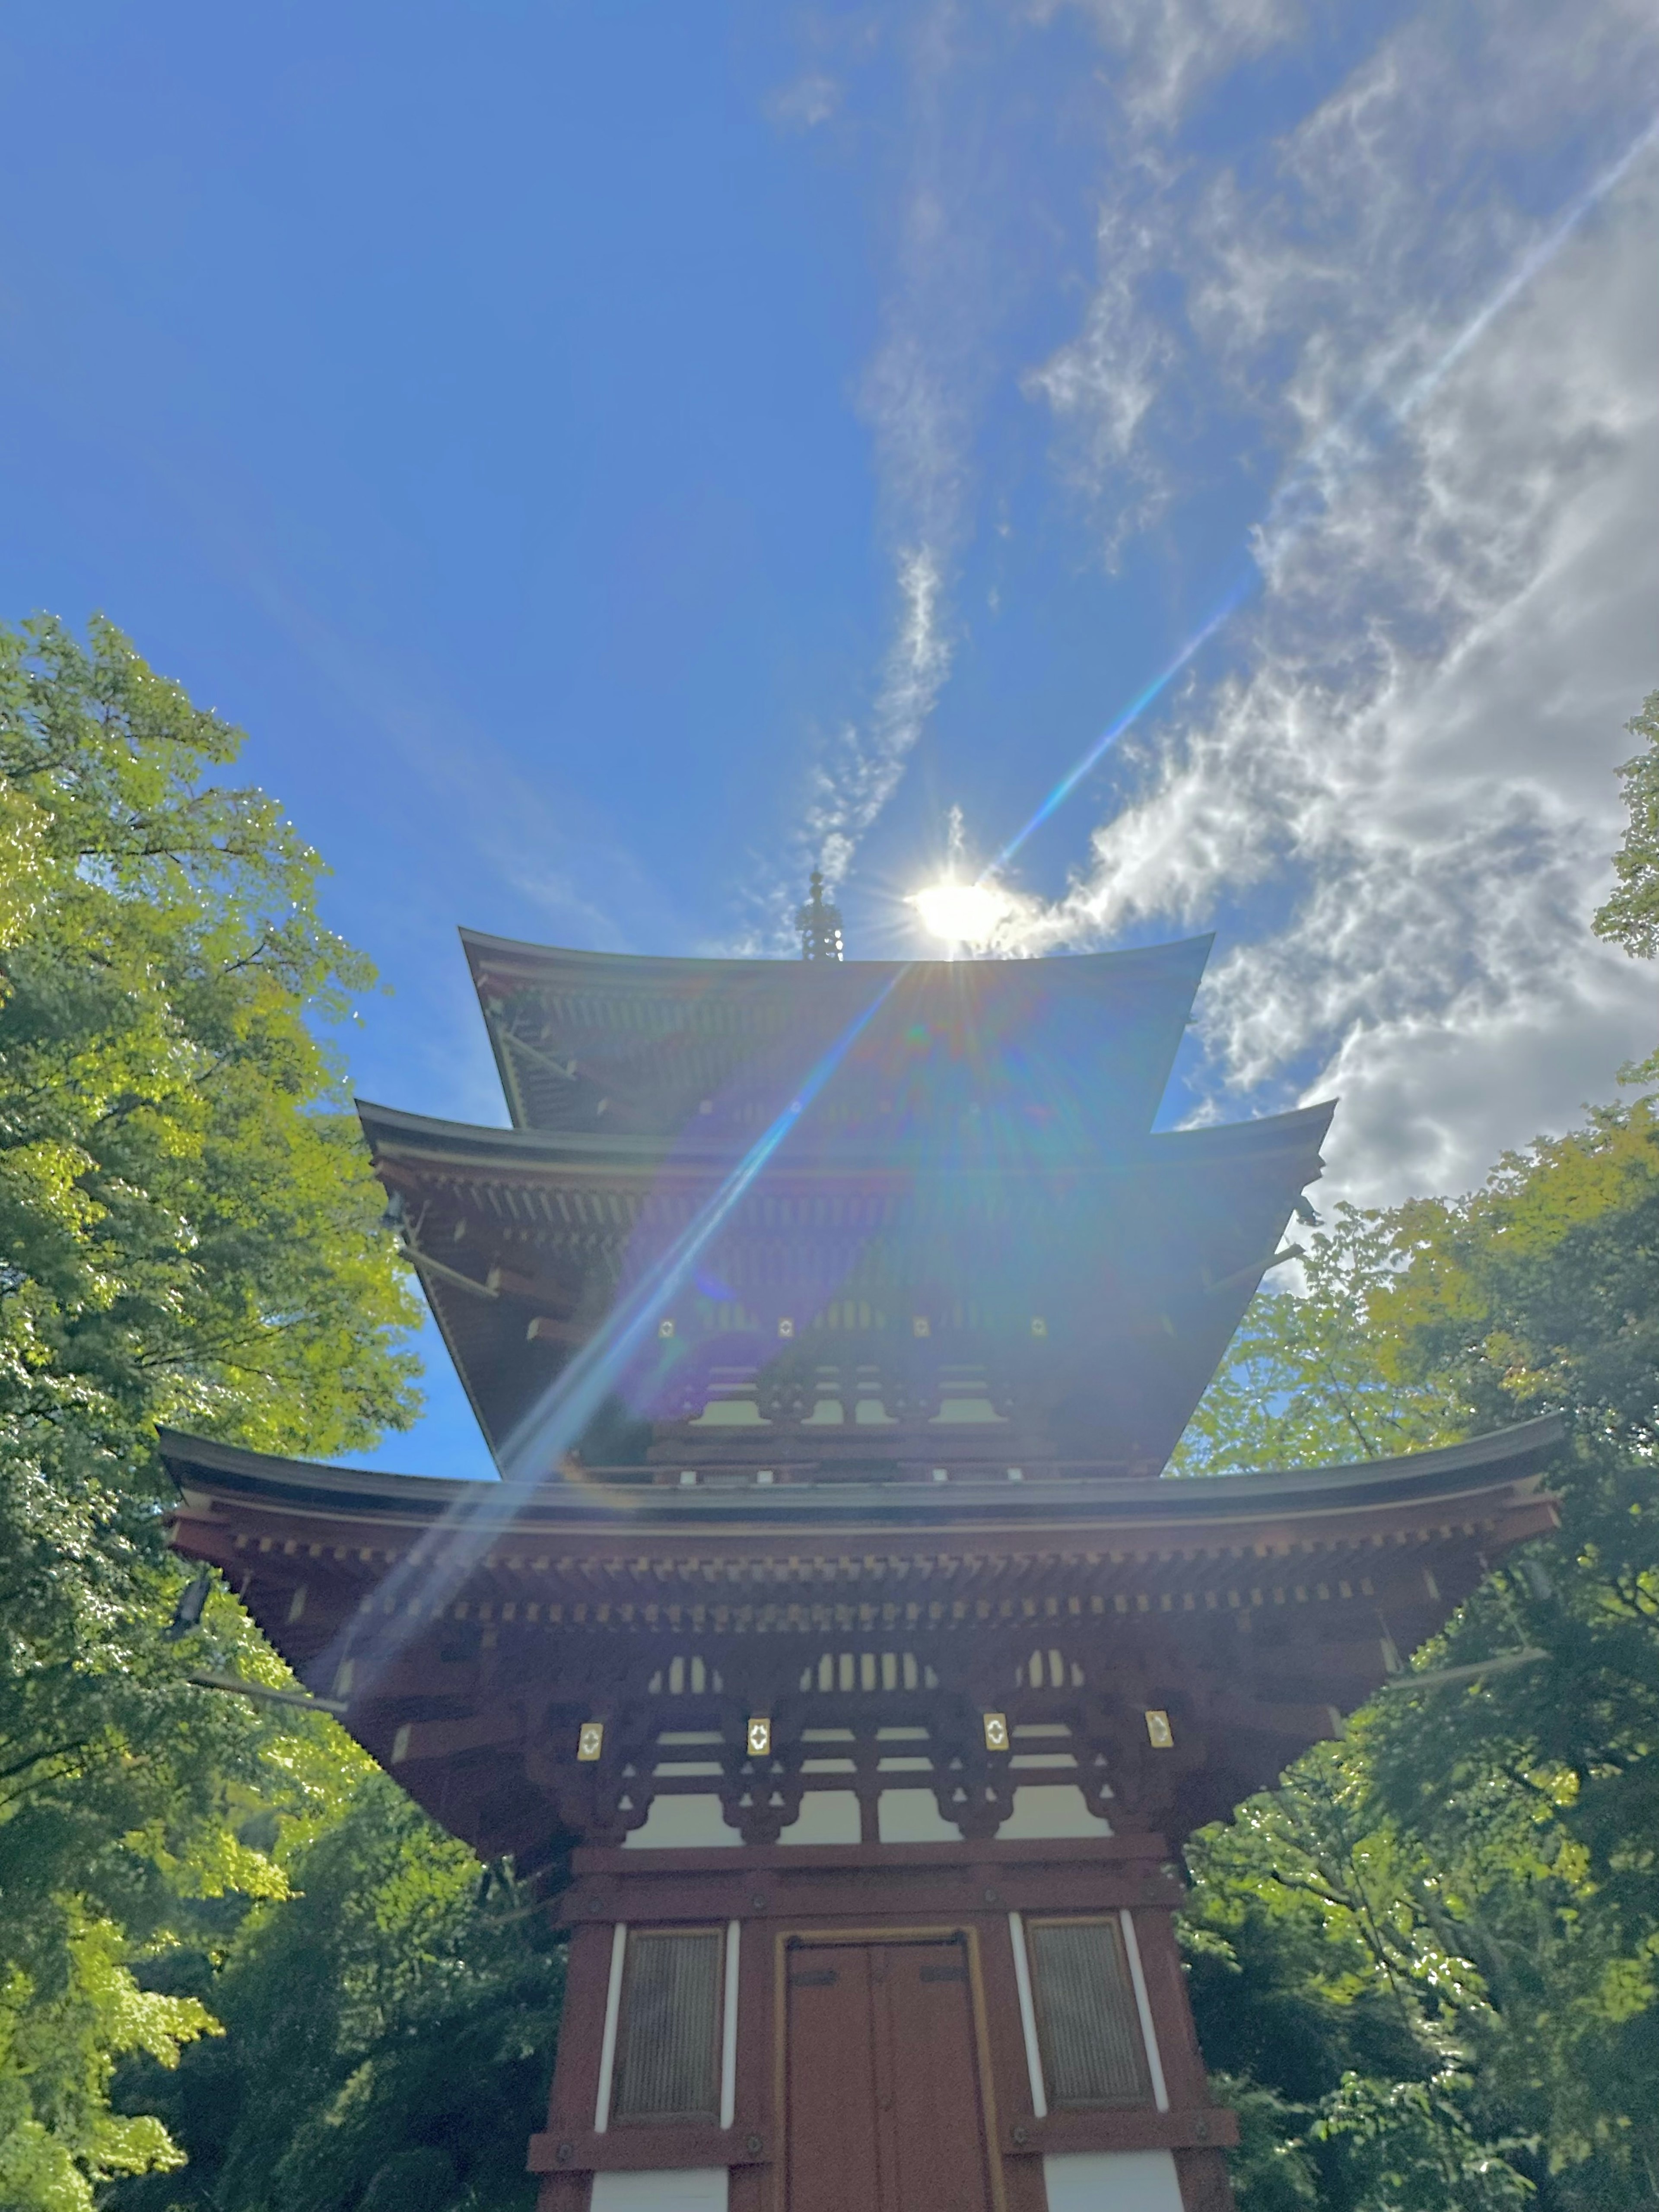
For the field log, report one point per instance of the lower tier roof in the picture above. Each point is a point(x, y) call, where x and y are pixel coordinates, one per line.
point(465, 1632)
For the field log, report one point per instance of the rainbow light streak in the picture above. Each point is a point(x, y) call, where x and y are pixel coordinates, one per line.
point(436, 1565)
point(1529, 266)
point(1131, 713)
point(423, 1580)
point(550, 1430)
point(1421, 389)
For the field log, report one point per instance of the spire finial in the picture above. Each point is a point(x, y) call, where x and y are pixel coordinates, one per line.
point(819, 923)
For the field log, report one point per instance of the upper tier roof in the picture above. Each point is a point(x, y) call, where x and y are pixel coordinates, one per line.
point(617, 1042)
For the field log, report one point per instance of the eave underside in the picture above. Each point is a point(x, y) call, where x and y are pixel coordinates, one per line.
point(469, 1649)
point(1102, 1297)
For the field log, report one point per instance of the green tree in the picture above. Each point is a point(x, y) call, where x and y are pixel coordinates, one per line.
point(1302, 1384)
point(390, 2029)
point(1630, 915)
point(1488, 1884)
point(187, 1234)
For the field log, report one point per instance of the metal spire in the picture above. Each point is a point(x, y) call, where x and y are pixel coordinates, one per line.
point(819, 924)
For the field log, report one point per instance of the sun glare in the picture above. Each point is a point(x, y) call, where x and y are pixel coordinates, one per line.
point(962, 914)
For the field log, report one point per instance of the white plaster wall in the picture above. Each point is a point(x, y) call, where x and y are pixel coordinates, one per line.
point(1106, 2181)
point(682, 1824)
point(687, 2189)
point(1043, 1810)
point(912, 1816)
point(827, 1816)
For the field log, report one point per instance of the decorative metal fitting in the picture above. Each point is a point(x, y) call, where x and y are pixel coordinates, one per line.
point(590, 1741)
point(1159, 1734)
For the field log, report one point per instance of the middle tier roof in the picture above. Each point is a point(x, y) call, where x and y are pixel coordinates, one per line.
point(985, 1253)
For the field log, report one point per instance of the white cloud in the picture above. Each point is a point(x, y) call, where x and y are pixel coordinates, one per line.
point(1166, 51)
point(1421, 745)
point(1398, 804)
point(921, 398)
point(1105, 383)
point(810, 99)
point(858, 774)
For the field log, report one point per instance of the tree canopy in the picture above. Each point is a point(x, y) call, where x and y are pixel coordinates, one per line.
point(188, 1227)
point(1630, 915)
point(1429, 1961)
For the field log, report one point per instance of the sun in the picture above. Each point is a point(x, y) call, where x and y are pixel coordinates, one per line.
point(960, 914)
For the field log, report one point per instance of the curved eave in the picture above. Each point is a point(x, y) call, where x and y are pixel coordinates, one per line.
point(420, 1139)
point(1207, 1508)
point(1177, 966)
point(667, 1031)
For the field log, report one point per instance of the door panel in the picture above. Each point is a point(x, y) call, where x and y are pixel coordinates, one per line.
point(881, 2081)
point(829, 2082)
point(938, 2134)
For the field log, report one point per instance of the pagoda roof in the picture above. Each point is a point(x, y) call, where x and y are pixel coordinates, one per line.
point(1133, 1260)
point(257, 1491)
point(463, 1630)
point(650, 1044)
point(395, 1134)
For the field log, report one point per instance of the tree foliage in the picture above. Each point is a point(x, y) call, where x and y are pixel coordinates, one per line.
point(1630, 915)
point(1434, 1951)
point(187, 1233)
point(389, 2034)
point(186, 1208)
point(1302, 1384)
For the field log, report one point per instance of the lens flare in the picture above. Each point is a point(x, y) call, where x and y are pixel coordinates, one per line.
point(1131, 715)
point(440, 1561)
point(960, 914)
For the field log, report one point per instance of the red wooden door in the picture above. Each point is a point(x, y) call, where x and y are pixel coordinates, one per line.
point(881, 2081)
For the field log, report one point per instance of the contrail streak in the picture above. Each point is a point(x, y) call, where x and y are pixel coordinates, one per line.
point(1529, 266)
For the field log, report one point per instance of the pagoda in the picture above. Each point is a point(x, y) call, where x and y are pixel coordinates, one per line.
point(833, 1652)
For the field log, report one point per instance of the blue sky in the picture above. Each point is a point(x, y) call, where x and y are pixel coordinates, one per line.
point(608, 457)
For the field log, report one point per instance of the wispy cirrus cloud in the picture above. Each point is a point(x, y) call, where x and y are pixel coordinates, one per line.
point(808, 101)
point(1164, 58)
point(858, 773)
point(921, 398)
